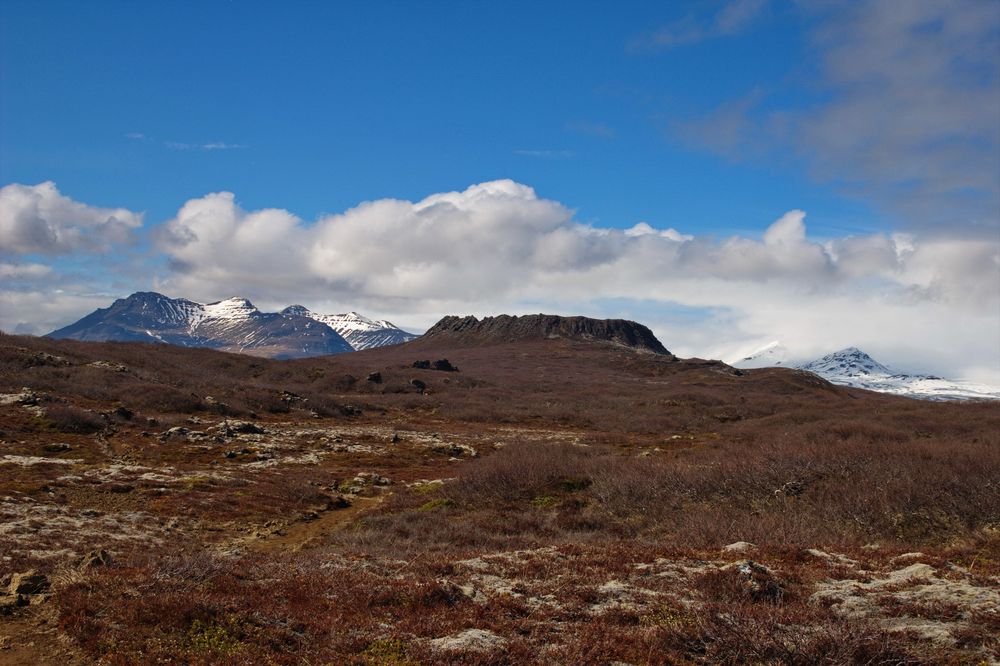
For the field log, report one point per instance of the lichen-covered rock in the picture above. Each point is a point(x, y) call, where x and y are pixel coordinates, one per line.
point(476, 640)
point(174, 434)
point(739, 547)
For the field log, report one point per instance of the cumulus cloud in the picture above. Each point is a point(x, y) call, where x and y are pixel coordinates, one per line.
point(498, 246)
point(644, 229)
point(37, 219)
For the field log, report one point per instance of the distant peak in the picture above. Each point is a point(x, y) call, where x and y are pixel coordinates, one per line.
point(231, 308)
point(850, 361)
point(142, 296)
point(852, 353)
point(772, 354)
point(234, 300)
point(298, 310)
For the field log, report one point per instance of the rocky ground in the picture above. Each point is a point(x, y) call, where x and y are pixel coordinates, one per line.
point(476, 520)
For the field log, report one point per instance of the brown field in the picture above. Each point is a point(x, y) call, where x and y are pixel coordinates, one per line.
point(552, 502)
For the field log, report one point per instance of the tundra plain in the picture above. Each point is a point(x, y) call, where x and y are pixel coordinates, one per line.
point(541, 501)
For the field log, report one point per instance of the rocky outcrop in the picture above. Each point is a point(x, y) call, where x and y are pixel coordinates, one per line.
point(507, 328)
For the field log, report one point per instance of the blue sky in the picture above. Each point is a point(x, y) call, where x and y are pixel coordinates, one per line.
point(717, 120)
point(336, 103)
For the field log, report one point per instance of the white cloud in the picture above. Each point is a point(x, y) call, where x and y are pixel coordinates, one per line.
point(907, 113)
point(184, 145)
point(213, 145)
point(40, 311)
point(498, 247)
point(20, 271)
point(734, 17)
point(38, 219)
point(916, 303)
point(644, 229)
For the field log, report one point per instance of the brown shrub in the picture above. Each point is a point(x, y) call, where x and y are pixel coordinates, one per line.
point(67, 418)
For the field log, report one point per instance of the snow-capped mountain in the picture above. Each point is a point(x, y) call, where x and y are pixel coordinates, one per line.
point(850, 363)
point(768, 356)
point(359, 331)
point(853, 367)
point(231, 325)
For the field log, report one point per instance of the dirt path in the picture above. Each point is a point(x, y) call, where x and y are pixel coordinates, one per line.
point(309, 533)
point(32, 638)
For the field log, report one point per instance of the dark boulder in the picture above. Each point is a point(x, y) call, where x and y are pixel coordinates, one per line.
point(96, 558)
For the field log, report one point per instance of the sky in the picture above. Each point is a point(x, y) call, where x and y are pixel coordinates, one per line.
point(727, 172)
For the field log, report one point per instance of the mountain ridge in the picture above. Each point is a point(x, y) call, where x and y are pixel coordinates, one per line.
point(504, 328)
point(233, 324)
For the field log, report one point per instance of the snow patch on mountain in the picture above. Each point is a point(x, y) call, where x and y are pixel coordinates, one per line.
point(231, 309)
point(853, 367)
point(770, 355)
point(359, 331)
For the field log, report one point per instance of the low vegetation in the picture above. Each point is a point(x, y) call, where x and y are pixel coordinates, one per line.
point(551, 502)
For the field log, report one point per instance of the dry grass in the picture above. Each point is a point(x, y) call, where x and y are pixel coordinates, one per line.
point(623, 473)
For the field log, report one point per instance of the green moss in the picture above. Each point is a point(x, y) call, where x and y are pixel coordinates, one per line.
point(434, 505)
point(212, 638)
point(425, 488)
point(669, 617)
point(386, 652)
point(196, 482)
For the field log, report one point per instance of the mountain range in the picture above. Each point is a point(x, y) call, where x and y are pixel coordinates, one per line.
point(233, 325)
point(236, 325)
point(853, 367)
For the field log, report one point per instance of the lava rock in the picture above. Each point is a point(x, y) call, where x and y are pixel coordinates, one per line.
point(29, 582)
point(96, 558)
point(124, 413)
